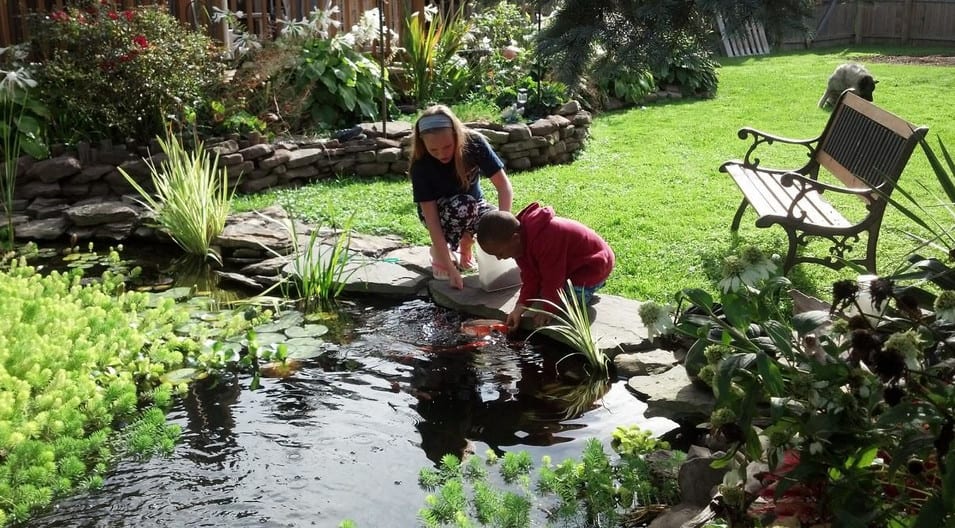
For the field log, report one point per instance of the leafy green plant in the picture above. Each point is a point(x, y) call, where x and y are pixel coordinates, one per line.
point(80, 358)
point(193, 195)
point(850, 409)
point(571, 323)
point(118, 74)
point(343, 84)
point(431, 41)
point(22, 120)
point(629, 86)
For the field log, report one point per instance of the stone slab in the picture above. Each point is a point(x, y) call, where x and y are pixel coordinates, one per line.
point(380, 277)
point(615, 321)
point(673, 396)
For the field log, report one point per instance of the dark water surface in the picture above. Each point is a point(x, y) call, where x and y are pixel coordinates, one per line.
point(345, 436)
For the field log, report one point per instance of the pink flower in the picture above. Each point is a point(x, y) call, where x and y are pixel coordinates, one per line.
point(129, 15)
point(113, 15)
point(60, 16)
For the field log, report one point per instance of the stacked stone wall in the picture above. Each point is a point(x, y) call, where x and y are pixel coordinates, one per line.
point(82, 193)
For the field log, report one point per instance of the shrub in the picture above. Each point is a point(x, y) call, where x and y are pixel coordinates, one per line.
point(111, 74)
point(307, 80)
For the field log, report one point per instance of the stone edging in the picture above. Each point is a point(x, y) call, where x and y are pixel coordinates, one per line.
point(81, 194)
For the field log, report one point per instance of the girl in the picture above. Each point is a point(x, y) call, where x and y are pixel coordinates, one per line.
point(446, 163)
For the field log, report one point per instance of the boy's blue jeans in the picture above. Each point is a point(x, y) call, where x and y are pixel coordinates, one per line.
point(587, 292)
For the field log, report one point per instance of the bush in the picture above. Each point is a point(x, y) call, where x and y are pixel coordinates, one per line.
point(117, 74)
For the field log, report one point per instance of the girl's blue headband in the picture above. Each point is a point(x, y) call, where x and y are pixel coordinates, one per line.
point(434, 121)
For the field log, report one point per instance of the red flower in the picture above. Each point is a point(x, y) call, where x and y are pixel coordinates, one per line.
point(60, 16)
point(113, 15)
point(141, 41)
point(129, 15)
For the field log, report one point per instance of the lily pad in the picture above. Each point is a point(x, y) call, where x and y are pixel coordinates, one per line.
point(176, 294)
point(183, 375)
point(288, 320)
point(309, 330)
point(305, 347)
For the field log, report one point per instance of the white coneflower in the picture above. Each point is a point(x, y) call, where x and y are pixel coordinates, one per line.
point(732, 269)
point(945, 306)
point(908, 345)
point(658, 318)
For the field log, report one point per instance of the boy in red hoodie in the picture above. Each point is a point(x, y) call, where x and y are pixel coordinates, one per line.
point(549, 250)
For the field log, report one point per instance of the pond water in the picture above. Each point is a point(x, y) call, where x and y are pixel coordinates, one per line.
point(345, 436)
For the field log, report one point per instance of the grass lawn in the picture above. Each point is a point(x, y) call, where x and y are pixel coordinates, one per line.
point(649, 183)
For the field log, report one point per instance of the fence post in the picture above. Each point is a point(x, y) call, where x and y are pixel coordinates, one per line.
point(907, 11)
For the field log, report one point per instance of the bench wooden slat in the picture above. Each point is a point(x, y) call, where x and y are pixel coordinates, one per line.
point(770, 198)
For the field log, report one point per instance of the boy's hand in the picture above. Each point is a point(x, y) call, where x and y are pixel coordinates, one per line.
point(514, 318)
point(541, 319)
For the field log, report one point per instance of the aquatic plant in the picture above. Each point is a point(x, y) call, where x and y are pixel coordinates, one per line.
point(319, 272)
point(571, 323)
point(192, 199)
point(591, 491)
point(80, 358)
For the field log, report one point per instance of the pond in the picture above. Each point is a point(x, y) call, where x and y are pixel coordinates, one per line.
point(345, 436)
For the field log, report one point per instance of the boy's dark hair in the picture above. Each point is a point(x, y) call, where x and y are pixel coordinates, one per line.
point(497, 227)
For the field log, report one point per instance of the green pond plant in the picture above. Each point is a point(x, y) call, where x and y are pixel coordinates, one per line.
point(595, 490)
point(570, 323)
point(192, 194)
point(319, 272)
point(79, 358)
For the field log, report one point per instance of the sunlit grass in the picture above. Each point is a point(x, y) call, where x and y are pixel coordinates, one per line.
point(648, 181)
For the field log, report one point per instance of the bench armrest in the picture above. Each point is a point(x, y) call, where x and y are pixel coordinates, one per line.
point(760, 137)
point(807, 184)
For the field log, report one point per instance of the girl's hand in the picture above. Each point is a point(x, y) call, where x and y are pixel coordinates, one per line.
point(455, 278)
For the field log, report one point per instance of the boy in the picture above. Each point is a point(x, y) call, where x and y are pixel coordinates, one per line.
point(549, 250)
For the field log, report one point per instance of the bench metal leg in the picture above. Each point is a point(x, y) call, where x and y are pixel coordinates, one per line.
point(871, 242)
point(739, 216)
point(790, 260)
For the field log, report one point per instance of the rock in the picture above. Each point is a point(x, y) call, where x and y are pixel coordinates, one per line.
point(263, 230)
point(644, 363)
point(256, 151)
point(100, 213)
point(54, 169)
point(673, 395)
point(615, 323)
point(239, 279)
point(569, 108)
point(542, 127)
point(46, 229)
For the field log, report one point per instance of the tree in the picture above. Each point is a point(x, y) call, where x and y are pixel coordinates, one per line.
point(645, 35)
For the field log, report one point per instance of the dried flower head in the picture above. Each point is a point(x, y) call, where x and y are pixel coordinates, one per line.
point(880, 289)
point(657, 318)
point(945, 306)
point(843, 294)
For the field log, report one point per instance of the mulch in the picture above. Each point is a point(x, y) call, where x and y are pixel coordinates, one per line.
point(928, 60)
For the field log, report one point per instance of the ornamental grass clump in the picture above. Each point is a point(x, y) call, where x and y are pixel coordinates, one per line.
point(571, 323)
point(193, 198)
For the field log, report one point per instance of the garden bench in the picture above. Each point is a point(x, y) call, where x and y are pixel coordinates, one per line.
point(863, 146)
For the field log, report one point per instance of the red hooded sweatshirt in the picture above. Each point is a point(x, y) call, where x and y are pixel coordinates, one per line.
point(557, 249)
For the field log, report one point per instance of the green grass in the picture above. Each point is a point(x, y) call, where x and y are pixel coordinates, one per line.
point(649, 183)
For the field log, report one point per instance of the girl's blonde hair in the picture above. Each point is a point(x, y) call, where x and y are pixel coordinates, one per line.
point(418, 149)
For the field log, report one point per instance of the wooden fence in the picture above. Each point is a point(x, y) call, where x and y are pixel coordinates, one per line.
point(915, 22)
point(261, 15)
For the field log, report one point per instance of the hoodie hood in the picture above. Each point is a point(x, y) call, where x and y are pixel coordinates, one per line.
point(534, 218)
